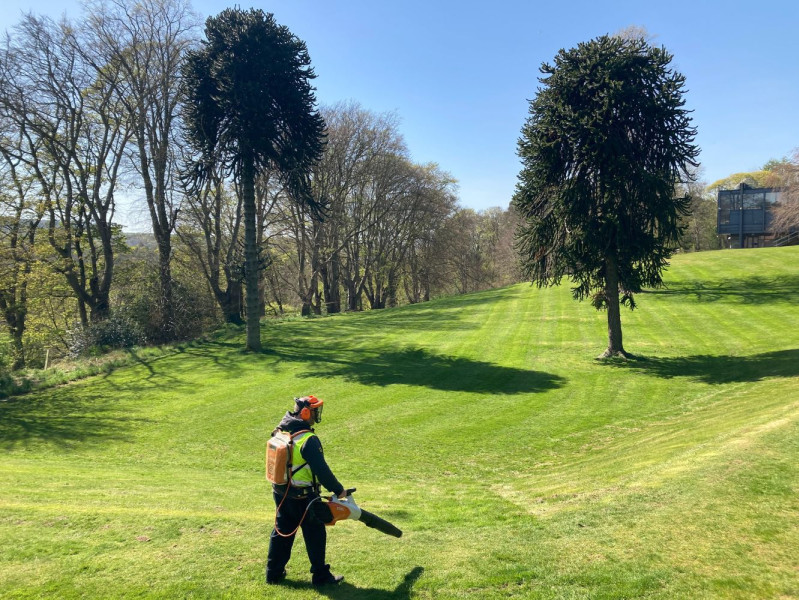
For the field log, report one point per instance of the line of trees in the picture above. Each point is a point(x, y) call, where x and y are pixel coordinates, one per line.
point(258, 202)
point(391, 231)
point(93, 111)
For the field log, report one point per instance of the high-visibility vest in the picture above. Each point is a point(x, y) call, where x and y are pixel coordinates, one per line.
point(302, 476)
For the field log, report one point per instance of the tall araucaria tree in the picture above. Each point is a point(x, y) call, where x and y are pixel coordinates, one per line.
point(606, 142)
point(250, 107)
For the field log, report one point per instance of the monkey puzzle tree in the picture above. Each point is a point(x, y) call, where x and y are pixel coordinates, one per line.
point(250, 107)
point(606, 141)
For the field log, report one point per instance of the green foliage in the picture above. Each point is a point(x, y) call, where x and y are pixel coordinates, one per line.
point(669, 477)
point(605, 143)
point(775, 164)
point(755, 179)
point(120, 330)
point(138, 296)
point(699, 225)
point(68, 370)
point(6, 351)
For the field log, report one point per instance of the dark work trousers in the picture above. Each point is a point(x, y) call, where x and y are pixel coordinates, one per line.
point(313, 532)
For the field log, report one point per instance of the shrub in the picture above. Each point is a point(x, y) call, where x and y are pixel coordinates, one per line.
point(120, 330)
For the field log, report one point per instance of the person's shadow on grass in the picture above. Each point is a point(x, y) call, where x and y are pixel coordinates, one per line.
point(347, 591)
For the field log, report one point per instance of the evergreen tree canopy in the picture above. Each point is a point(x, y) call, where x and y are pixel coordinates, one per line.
point(249, 91)
point(606, 141)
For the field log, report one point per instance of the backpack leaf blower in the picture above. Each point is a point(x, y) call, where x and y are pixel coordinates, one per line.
point(345, 508)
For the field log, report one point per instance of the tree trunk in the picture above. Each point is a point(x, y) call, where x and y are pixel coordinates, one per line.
point(332, 288)
point(250, 253)
point(314, 299)
point(615, 346)
point(391, 289)
point(19, 348)
point(412, 285)
point(369, 295)
point(261, 297)
point(100, 310)
point(324, 274)
point(169, 331)
point(316, 303)
point(230, 303)
point(84, 317)
point(378, 300)
point(352, 296)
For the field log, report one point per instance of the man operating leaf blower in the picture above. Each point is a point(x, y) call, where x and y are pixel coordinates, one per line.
point(296, 466)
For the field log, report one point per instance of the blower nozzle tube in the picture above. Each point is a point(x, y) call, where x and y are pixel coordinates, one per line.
point(346, 508)
point(375, 522)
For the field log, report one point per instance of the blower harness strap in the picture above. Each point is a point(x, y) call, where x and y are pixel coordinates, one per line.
point(315, 487)
point(305, 514)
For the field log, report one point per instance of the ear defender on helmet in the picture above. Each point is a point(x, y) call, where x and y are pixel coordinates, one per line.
point(305, 413)
point(310, 407)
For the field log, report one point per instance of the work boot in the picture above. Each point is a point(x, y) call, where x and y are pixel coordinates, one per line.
point(325, 577)
point(273, 579)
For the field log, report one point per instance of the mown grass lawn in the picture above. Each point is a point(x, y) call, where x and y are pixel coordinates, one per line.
point(516, 463)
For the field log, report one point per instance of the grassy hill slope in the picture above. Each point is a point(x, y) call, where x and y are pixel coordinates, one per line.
point(517, 464)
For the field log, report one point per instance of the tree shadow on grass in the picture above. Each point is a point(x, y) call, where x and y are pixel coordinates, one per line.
point(752, 290)
point(442, 314)
point(347, 591)
point(166, 371)
point(157, 376)
point(419, 367)
point(456, 301)
point(226, 355)
point(63, 418)
point(718, 369)
point(83, 413)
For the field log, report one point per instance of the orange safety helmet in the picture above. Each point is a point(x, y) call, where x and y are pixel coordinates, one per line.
point(306, 404)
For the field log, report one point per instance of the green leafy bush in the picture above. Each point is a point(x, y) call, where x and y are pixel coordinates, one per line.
point(120, 330)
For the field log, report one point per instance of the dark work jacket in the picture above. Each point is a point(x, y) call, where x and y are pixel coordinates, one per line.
point(311, 452)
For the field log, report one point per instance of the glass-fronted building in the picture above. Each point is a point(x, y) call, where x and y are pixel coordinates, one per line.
point(745, 217)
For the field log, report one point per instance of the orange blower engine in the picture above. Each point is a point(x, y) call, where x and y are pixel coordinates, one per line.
point(345, 508)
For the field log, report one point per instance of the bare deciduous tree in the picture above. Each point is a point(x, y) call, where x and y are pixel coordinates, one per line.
point(211, 229)
point(75, 138)
point(786, 214)
point(359, 143)
point(146, 41)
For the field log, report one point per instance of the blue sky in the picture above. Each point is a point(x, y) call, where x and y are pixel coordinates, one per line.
point(458, 73)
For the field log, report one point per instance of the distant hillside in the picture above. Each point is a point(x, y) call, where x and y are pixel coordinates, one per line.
point(142, 240)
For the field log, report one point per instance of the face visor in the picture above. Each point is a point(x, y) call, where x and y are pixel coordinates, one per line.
point(316, 405)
